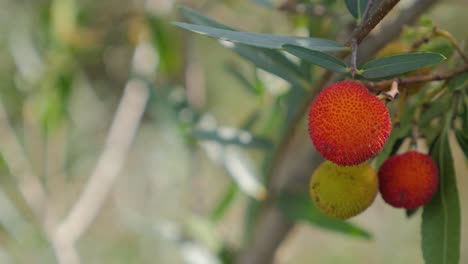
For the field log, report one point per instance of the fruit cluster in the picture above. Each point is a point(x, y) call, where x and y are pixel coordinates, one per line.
point(348, 126)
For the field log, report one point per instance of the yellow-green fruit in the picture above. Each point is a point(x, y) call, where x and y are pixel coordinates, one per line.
point(343, 191)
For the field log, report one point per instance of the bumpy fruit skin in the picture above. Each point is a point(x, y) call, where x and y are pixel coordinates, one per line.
point(408, 180)
point(347, 124)
point(343, 192)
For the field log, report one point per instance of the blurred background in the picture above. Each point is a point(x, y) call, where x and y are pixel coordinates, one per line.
point(180, 192)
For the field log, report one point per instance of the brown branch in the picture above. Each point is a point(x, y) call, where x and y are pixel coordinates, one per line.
point(389, 31)
point(297, 159)
point(378, 86)
point(366, 27)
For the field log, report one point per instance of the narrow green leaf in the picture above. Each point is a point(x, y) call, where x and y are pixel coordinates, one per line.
point(299, 207)
point(399, 64)
point(233, 136)
point(459, 82)
point(462, 139)
point(440, 227)
point(224, 203)
point(167, 43)
point(461, 134)
point(436, 109)
point(199, 19)
point(251, 120)
point(239, 76)
point(272, 61)
point(318, 58)
point(263, 40)
point(356, 7)
point(396, 138)
point(252, 211)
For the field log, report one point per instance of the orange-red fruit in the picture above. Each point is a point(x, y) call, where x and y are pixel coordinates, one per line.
point(408, 180)
point(347, 124)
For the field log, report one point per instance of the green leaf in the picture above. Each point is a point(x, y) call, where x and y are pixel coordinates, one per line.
point(299, 207)
point(396, 138)
point(167, 43)
point(459, 82)
point(462, 139)
point(356, 7)
point(272, 61)
point(441, 46)
point(224, 203)
point(199, 19)
point(263, 40)
point(435, 109)
point(251, 120)
point(399, 64)
point(460, 134)
point(239, 76)
point(440, 227)
point(318, 58)
point(233, 136)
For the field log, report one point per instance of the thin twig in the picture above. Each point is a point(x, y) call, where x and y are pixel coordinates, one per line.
point(365, 28)
point(392, 94)
point(354, 42)
point(400, 106)
point(452, 40)
point(366, 11)
point(119, 140)
point(353, 65)
point(109, 164)
point(378, 86)
point(18, 164)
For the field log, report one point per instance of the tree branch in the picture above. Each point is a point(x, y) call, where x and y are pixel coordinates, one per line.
point(377, 15)
point(378, 86)
point(297, 159)
point(119, 140)
point(28, 183)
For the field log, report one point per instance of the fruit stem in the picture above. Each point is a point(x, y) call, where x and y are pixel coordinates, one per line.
point(414, 134)
point(366, 12)
point(354, 40)
point(354, 47)
point(392, 94)
point(401, 104)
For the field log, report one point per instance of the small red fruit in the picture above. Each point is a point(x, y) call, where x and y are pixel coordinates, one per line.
point(408, 180)
point(347, 124)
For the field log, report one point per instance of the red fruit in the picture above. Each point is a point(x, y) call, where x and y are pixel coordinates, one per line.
point(408, 180)
point(347, 124)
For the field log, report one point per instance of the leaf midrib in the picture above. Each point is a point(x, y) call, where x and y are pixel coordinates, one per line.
point(392, 64)
point(444, 202)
